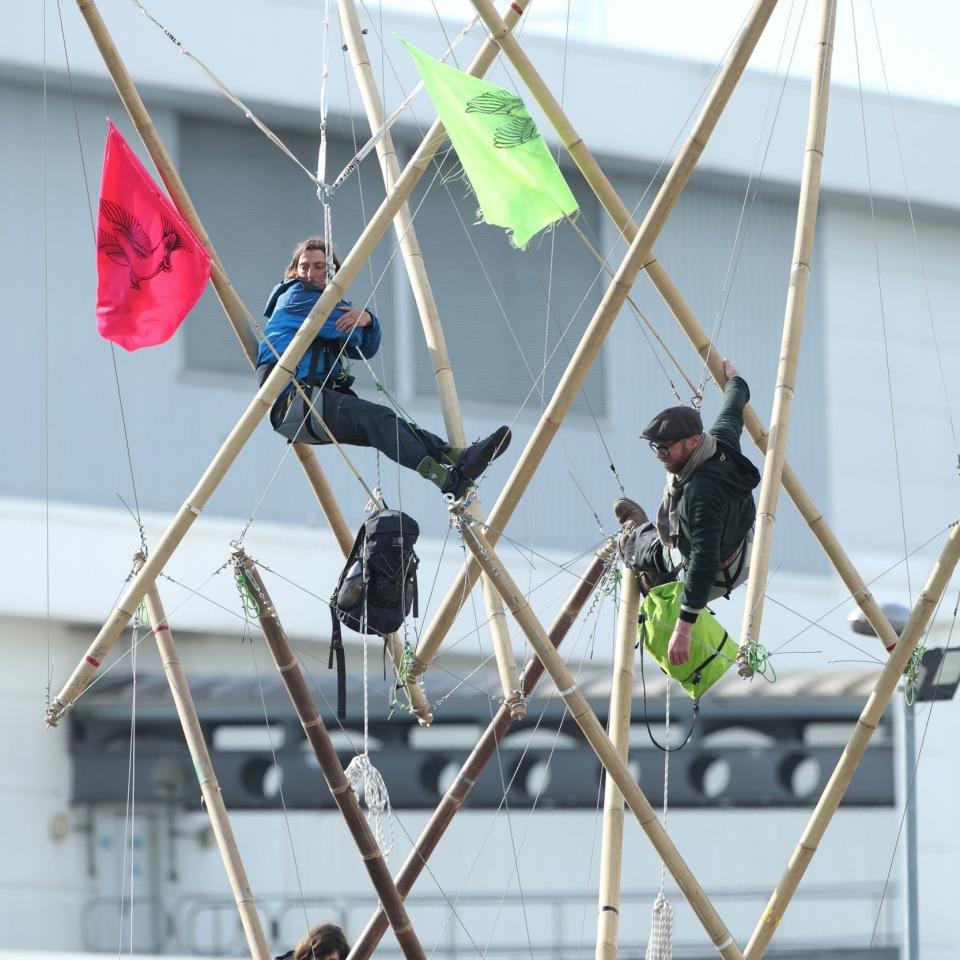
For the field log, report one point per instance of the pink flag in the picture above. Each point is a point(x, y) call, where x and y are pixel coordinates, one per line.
point(151, 268)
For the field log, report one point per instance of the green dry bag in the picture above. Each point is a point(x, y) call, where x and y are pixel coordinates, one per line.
point(712, 652)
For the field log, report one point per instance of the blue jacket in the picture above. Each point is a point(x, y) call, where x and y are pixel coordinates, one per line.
point(287, 308)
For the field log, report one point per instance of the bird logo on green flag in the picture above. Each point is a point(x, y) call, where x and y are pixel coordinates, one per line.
point(518, 184)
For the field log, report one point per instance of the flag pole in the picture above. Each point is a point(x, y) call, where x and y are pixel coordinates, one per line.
point(481, 548)
point(430, 321)
point(658, 276)
point(586, 352)
point(206, 776)
point(618, 730)
point(790, 343)
point(867, 723)
point(234, 308)
point(261, 402)
point(326, 754)
point(456, 795)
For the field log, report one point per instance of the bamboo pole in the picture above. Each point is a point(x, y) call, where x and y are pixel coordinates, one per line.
point(234, 308)
point(657, 274)
point(867, 723)
point(326, 754)
point(206, 776)
point(482, 550)
point(430, 321)
point(790, 344)
point(474, 765)
point(636, 260)
point(618, 730)
point(261, 403)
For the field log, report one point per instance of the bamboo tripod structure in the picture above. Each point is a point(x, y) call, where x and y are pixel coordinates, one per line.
point(262, 401)
point(206, 777)
point(430, 321)
point(636, 260)
point(792, 330)
point(658, 276)
point(481, 548)
point(326, 754)
point(481, 755)
point(618, 729)
point(872, 712)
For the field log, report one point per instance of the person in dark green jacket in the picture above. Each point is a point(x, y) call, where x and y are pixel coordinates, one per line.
point(704, 524)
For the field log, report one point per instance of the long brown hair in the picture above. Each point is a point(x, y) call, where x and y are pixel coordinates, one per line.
point(322, 940)
point(311, 243)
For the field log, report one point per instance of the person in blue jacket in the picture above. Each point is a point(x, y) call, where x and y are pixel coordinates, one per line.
point(351, 333)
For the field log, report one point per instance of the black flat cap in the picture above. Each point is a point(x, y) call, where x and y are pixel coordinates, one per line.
point(674, 423)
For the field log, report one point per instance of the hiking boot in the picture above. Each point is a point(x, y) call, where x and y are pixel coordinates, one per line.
point(465, 464)
point(476, 458)
point(630, 515)
point(629, 512)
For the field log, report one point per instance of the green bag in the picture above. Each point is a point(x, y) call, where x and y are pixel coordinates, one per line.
point(712, 651)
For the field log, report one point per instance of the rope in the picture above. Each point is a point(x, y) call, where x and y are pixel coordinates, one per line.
point(916, 238)
point(365, 780)
point(883, 314)
point(660, 942)
point(354, 163)
point(746, 213)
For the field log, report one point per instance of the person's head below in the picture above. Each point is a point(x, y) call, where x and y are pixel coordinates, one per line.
point(673, 435)
point(308, 262)
point(323, 942)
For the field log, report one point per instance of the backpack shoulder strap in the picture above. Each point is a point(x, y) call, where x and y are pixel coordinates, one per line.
point(337, 655)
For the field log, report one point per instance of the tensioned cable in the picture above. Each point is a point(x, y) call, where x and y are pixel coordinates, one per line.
point(587, 653)
point(355, 161)
point(369, 265)
point(883, 315)
point(916, 239)
point(850, 596)
point(754, 180)
point(534, 806)
point(506, 797)
point(911, 797)
point(248, 634)
point(110, 667)
point(129, 824)
point(44, 309)
point(93, 233)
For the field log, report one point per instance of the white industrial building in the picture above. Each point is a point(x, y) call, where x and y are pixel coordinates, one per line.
point(94, 437)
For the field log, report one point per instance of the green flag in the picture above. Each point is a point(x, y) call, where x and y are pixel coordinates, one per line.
point(518, 184)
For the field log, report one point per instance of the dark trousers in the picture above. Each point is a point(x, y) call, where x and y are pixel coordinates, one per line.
point(359, 423)
point(643, 552)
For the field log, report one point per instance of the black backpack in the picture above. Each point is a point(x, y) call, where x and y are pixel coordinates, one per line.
point(377, 588)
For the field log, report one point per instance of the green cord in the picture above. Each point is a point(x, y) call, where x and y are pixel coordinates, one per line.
point(759, 659)
point(403, 677)
point(250, 606)
point(911, 675)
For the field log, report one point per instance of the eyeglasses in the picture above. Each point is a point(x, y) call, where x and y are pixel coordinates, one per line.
point(661, 447)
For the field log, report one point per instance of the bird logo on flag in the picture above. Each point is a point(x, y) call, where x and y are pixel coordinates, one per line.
point(518, 129)
point(130, 245)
